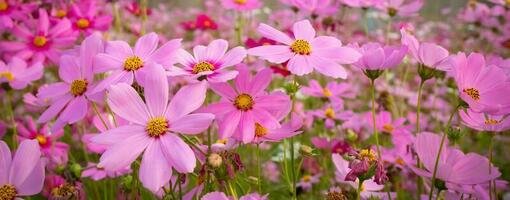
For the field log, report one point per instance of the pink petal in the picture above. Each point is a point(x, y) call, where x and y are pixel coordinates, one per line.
point(115, 135)
point(54, 109)
point(229, 123)
point(300, 65)
point(222, 76)
point(69, 69)
point(124, 152)
point(178, 153)
point(5, 162)
point(155, 170)
point(156, 90)
point(233, 57)
point(303, 30)
point(90, 47)
point(125, 102)
point(24, 162)
point(247, 127)
point(43, 22)
point(187, 99)
point(118, 49)
point(216, 50)
point(260, 81)
point(272, 53)
point(112, 79)
point(224, 90)
point(192, 123)
point(199, 52)
point(325, 42)
point(106, 62)
point(328, 68)
point(185, 58)
point(75, 110)
point(165, 55)
point(243, 80)
point(427, 147)
point(431, 54)
point(33, 184)
point(145, 45)
point(273, 34)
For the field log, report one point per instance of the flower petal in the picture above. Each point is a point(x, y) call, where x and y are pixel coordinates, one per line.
point(178, 153)
point(156, 90)
point(124, 152)
point(125, 102)
point(155, 170)
point(187, 99)
point(192, 123)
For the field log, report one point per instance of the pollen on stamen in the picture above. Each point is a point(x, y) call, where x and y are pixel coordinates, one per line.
point(79, 87)
point(388, 128)
point(3, 6)
point(203, 66)
point(326, 92)
point(83, 23)
point(301, 47)
point(241, 2)
point(368, 154)
point(133, 63)
point(244, 102)
point(491, 122)
point(39, 41)
point(8, 191)
point(260, 131)
point(156, 127)
point(7, 75)
point(330, 113)
point(473, 93)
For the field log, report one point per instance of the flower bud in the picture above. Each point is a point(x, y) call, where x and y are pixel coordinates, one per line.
point(214, 160)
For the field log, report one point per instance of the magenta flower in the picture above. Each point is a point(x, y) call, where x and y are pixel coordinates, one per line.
point(376, 57)
point(69, 99)
point(307, 181)
point(127, 64)
point(484, 122)
point(429, 54)
point(239, 110)
point(12, 10)
point(287, 130)
point(484, 88)
point(86, 18)
point(359, 3)
point(50, 147)
point(40, 40)
point(18, 74)
point(241, 5)
point(23, 174)
point(154, 127)
point(209, 62)
point(332, 91)
point(317, 7)
point(385, 123)
point(306, 52)
point(458, 170)
point(400, 7)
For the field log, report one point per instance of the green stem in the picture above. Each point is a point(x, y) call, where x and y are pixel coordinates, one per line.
point(491, 147)
point(419, 180)
point(96, 110)
point(116, 17)
point(232, 191)
point(259, 180)
point(438, 193)
point(439, 152)
point(239, 29)
point(143, 7)
point(376, 134)
point(10, 109)
point(358, 191)
point(292, 156)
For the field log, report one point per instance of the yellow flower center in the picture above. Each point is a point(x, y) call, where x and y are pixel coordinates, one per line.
point(157, 126)
point(240, 1)
point(301, 47)
point(64, 191)
point(222, 141)
point(491, 122)
point(3, 6)
point(8, 192)
point(8, 75)
point(78, 87)
point(507, 2)
point(61, 13)
point(392, 11)
point(244, 102)
point(473, 93)
point(388, 128)
point(202, 67)
point(133, 63)
point(326, 92)
point(260, 131)
point(330, 113)
point(41, 139)
point(39, 41)
point(334, 195)
point(207, 23)
point(83, 23)
point(367, 154)
point(400, 161)
point(307, 178)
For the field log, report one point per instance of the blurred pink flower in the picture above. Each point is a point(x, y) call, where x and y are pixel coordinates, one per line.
point(18, 74)
point(23, 174)
point(400, 7)
point(306, 52)
point(209, 62)
point(332, 91)
point(239, 111)
point(241, 5)
point(484, 122)
point(86, 18)
point(429, 54)
point(98, 173)
point(376, 57)
point(307, 181)
point(287, 130)
point(154, 128)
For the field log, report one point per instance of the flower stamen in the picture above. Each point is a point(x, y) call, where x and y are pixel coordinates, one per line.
point(7, 75)
point(244, 102)
point(473, 93)
point(491, 122)
point(330, 113)
point(39, 41)
point(157, 126)
point(301, 47)
point(8, 192)
point(260, 131)
point(78, 87)
point(83, 23)
point(133, 63)
point(203, 66)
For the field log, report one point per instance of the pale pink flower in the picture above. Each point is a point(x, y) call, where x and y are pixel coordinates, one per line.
point(18, 74)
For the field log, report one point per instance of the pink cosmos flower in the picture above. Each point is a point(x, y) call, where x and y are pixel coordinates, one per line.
point(360, 3)
point(331, 144)
point(241, 5)
point(428, 54)
point(287, 130)
point(40, 40)
point(154, 128)
point(376, 57)
point(400, 7)
point(47, 140)
point(86, 18)
point(459, 171)
point(98, 124)
point(56, 187)
point(239, 110)
point(204, 22)
point(127, 64)
point(23, 174)
point(484, 88)
point(209, 62)
point(98, 173)
point(331, 114)
point(307, 181)
point(332, 91)
point(384, 122)
point(11, 10)
point(316, 7)
point(69, 99)
point(484, 122)
point(306, 52)
point(18, 74)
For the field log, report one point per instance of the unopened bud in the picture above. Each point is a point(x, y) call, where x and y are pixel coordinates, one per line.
point(306, 150)
point(214, 160)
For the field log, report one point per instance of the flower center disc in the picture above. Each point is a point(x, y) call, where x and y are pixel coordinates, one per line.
point(83, 23)
point(64, 191)
point(8, 75)
point(41, 139)
point(307, 178)
point(78, 87)
point(244, 102)
point(39, 41)
point(330, 113)
point(61, 13)
point(3, 6)
point(133, 63)
point(473, 93)
point(260, 131)
point(156, 127)
point(326, 92)
point(301, 47)
point(388, 128)
point(241, 2)
point(202, 67)
point(491, 122)
point(8, 192)
point(367, 154)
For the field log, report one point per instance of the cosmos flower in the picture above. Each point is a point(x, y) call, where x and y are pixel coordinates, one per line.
point(18, 74)
point(209, 62)
point(484, 122)
point(400, 7)
point(241, 5)
point(154, 127)
point(287, 130)
point(86, 18)
point(39, 39)
point(127, 64)
point(69, 99)
point(333, 90)
point(331, 114)
point(12, 10)
point(484, 88)
point(359, 3)
point(317, 7)
point(307, 181)
point(23, 174)
point(48, 141)
point(98, 173)
point(377, 57)
point(384, 122)
point(240, 109)
point(305, 52)
point(428, 54)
